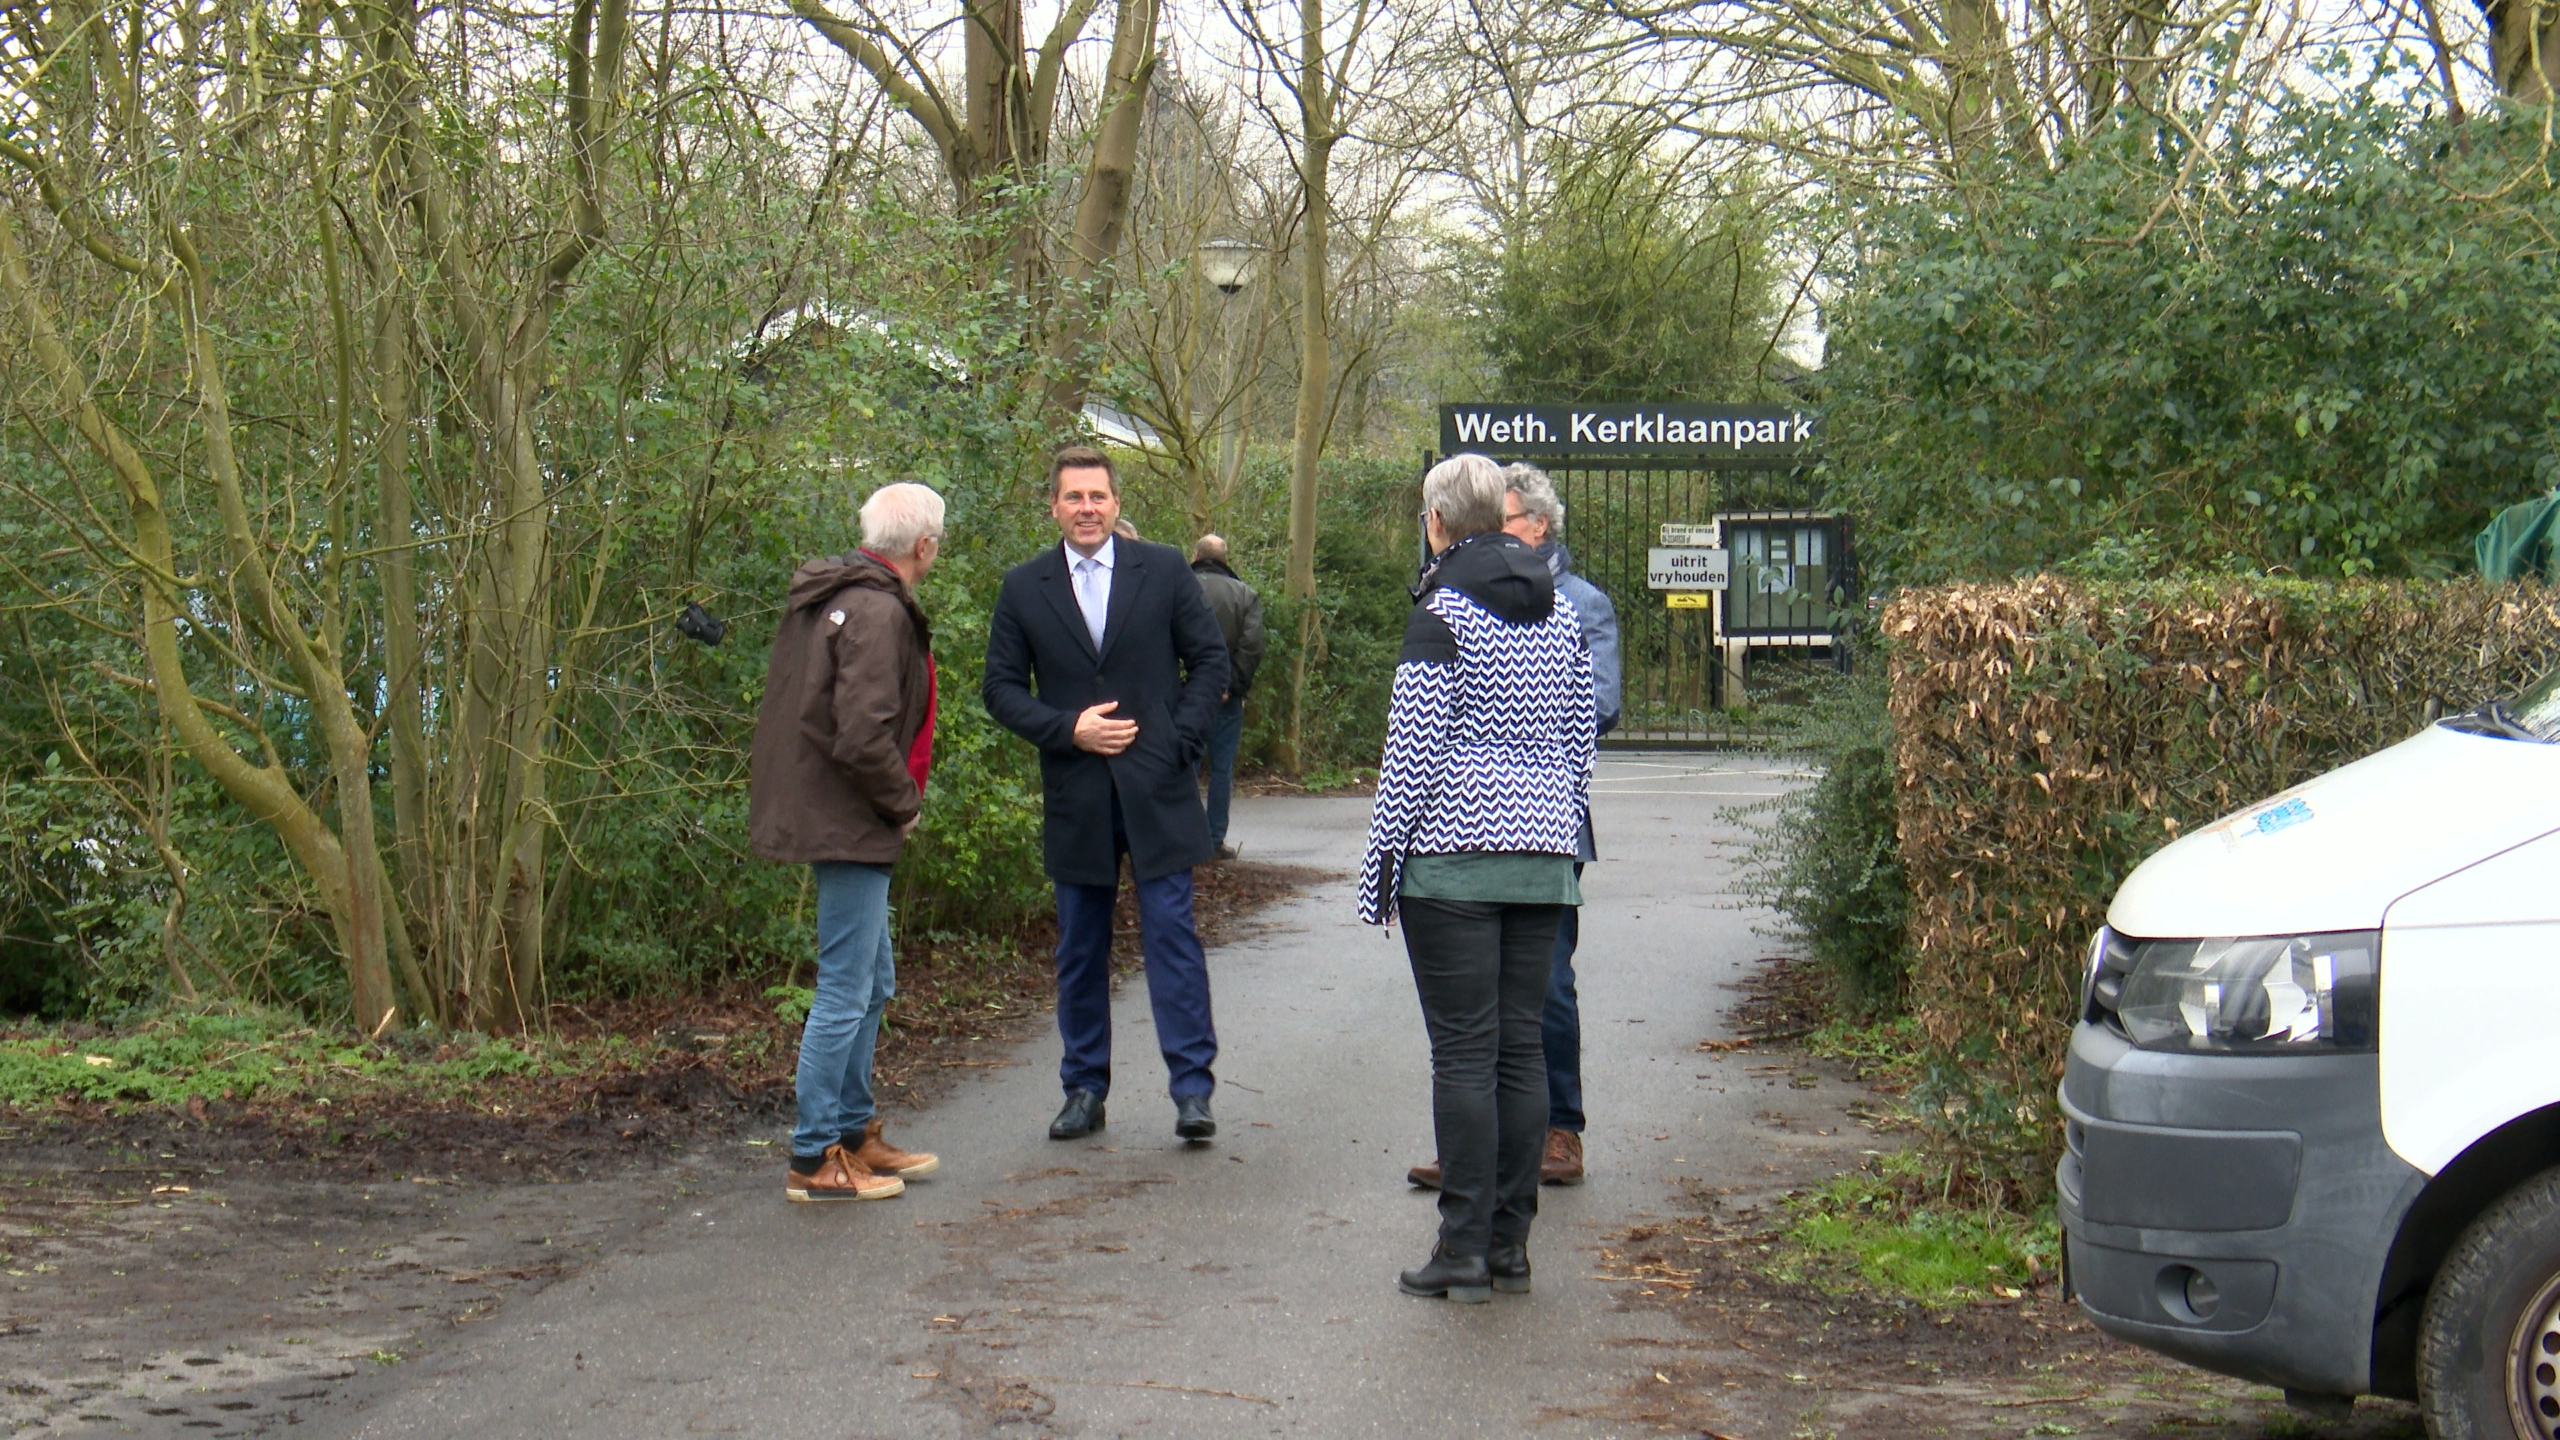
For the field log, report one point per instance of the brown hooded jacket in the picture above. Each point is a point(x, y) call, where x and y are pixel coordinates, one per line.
point(845, 694)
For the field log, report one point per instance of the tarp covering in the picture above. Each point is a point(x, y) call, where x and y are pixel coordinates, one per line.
point(2517, 545)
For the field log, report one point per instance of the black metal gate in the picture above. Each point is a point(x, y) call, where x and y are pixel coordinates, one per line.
point(1675, 682)
point(1624, 471)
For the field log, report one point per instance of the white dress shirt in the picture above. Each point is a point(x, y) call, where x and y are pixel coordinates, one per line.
point(1092, 577)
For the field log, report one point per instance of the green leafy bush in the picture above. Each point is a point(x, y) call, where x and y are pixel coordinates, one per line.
point(1639, 278)
point(1826, 857)
point(791, 1002)
point(2329, 348)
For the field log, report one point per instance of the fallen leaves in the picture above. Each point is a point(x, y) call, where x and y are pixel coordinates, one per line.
point(1645, 1272)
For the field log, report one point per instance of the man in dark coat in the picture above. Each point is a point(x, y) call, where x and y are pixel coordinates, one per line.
point(1239, 612)
point(1102, 653)
point(844, 739)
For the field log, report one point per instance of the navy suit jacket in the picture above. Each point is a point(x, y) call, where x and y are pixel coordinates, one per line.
point(1162, 657)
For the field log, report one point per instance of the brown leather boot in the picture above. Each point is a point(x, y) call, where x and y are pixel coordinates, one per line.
point(842, 1177)
point(1563, 1162)
point(1426, 1176)
point(884, 1158)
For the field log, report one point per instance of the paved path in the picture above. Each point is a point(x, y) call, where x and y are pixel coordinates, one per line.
point(1131, 1286)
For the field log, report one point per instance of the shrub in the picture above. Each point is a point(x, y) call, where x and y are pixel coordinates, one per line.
point(1364, 566)
point(2330, 345)
point(2048, 736)
point(1827, 859)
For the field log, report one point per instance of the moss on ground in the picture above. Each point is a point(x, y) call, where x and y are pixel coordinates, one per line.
point(257, 1054)
point(1876, 1228)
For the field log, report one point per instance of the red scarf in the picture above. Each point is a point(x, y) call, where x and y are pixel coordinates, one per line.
point(920, 754)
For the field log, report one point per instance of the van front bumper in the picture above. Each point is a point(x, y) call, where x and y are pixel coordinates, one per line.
point(2233, 1211)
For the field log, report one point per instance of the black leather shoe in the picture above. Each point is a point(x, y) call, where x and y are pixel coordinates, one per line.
point(1079, 1117)
point(1509, 1265)
point(1462, 1280)
point(1191, 1118)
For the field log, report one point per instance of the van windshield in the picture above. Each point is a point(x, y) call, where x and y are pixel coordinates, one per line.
point(2534, 715)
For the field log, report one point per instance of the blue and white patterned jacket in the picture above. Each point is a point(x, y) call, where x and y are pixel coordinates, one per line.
point(1492, 728)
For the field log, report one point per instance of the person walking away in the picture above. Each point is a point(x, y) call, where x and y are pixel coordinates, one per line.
point(1239, 612)
point(836, 778)
point(1491, 730)
point(1102, 653)
point(1534, 514)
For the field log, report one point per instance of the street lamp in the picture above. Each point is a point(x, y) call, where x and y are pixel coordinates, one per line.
point(1225, 261)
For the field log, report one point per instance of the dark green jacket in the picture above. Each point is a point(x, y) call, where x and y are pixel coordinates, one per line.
point(1239, 612)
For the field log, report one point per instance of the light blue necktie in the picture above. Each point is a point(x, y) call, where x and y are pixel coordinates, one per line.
point(1090, 599)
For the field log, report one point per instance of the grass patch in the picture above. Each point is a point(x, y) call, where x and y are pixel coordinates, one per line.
point(954, 987)
point(258, 1054)
point(1878, 1049)
point(1873, 1229)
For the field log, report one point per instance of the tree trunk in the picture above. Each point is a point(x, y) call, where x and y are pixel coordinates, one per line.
point(349, 887)
point(1315, 353)
point(1985, 104)
point(403, 658)
point(1102, 211)
point(2524, 48)
point(469, 804)
point(998, 133)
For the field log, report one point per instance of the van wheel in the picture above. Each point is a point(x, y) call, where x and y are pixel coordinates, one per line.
point(2489, 1340)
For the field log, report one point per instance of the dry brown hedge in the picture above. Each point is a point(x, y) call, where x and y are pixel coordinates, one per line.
point(2050, 734)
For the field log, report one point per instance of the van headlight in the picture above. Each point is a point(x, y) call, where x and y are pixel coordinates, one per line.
point(2249, 993)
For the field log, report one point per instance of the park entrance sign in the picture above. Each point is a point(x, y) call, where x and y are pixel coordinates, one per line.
point(1712, 434)
point(1671, 509)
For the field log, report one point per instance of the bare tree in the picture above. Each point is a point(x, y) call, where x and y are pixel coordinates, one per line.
point(1194, 346)
point(996, 135)
point(1319, 83)
point(122, 168)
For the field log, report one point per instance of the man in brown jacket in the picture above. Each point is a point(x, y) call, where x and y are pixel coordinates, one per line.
point(844, 739)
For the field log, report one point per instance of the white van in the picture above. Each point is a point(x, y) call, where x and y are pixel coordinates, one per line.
point(2312, 1106)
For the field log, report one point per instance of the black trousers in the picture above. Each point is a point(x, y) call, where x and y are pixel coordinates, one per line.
point(1482, 970)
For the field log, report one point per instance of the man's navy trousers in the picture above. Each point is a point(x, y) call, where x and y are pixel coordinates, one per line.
point(1177, 980)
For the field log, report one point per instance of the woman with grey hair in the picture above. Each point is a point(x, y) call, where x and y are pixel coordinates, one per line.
point(1481, 793)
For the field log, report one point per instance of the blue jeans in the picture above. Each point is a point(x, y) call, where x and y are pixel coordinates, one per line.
point(1561, 1028)
point(857, 973)
point(1225, 734)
